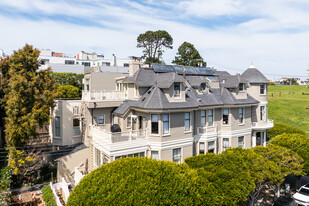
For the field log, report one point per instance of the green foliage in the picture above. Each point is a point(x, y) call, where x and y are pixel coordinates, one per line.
point(142, 181)
point(153, 43)
point(28, 95)
point(289, 108)
point(289, 162)
point(5, 186)
point(280, 128)
point(297, 143)
point(68, 91)
point(72, 79)
point(48, 196)
point(188, 56)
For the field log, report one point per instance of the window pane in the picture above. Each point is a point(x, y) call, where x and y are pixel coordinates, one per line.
point(226, 111)
point(101, 119)
point(187, 115)
point(165, 127)
point(211, 146)
point(241, 141)
point(177, 155)
point(187, 125)
point(226, 143)
point(154, 118)
point(57, 121)
point(128, 121)
point(176, 89)
point(203, 117)
point(154, 128)
point(241, 115)
point(202, 148)
point(210, 117)
point(165, 117)
point(155, 155)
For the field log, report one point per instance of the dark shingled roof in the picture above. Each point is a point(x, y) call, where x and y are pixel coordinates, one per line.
point(255, 76)
point(196, 81)
point(231, 81)
point(221, 73)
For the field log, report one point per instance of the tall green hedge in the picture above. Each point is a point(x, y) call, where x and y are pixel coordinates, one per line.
point(142, 181)
point(48, 196)
point(5, 186)
point(280, 128)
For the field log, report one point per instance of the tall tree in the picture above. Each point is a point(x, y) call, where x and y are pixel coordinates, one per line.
point(28, 96)
point(188, 56)
point(153, 43)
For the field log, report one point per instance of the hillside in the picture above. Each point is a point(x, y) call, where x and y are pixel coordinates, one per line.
point(289, 108)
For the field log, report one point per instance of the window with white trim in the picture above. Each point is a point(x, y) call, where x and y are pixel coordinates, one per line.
point(187, 121)
point(225, 116)
point(211, 147)
point(203, 117)
point(154, 124)
point(225, 144)
point(140, 154)
point(177, 155)
point(262, 89)
point(155, 155)
point(241, 87)
point(210, 117)
point(76, 128)
point(241, 115)
point(202, 148)
point(101, 119)
point(57, 126)
point(166, 122)
point(177, 89)
point(129, 122)
point(241, 141)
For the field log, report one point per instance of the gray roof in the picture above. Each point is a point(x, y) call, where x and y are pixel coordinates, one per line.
point(220, 73)
point(231, 81)
point(155, 99)
point(196, 81)
point(255, 76)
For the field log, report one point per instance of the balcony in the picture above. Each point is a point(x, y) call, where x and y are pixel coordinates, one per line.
point(111, 143)
point(263, 124)
point(205, 130)
point(79, 173)
point(103, 96)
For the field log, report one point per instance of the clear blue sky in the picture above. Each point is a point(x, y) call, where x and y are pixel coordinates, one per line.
point(229, 34)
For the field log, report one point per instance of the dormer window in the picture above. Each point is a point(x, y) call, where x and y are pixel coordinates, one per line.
point(177, 89)
point(241, 87)
point(203, 86)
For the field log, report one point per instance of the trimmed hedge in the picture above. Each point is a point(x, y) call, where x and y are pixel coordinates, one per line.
point(280, 128)
point(142, 181)
point(48, 196)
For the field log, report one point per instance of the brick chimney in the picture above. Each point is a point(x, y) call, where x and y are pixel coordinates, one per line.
point(134, 65)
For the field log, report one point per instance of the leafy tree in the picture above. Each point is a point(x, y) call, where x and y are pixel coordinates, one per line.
point(285, 159)
point(297, 143)
point(48, 196)
point(280, 128)
point(141, 181)
point(68, 91)
point(153, 43)
point(188, 56)
point(72, 79)
point(235, 174)
point(28, 96)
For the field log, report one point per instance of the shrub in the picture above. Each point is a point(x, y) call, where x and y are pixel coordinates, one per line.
point(48, 196)
point(297, 143)
point(280, 128)
point(5, 186)
point(141, 181)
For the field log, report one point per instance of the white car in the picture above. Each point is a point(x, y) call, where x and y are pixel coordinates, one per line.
point(301, 197)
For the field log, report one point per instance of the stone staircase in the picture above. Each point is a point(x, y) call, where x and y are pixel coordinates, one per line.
point(59, 194)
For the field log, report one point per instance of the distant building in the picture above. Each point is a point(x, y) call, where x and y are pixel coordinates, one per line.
point(2, 55)
point(59, 62)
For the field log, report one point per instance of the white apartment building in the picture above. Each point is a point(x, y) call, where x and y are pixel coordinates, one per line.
point(166, 112)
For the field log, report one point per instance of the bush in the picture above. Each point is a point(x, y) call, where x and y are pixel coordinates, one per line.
point(5, 186)
point(48, 196)
point(141, 181)
point(280, 128)
point(297, 143)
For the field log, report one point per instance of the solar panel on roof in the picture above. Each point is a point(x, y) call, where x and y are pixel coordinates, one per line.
point(179, 69)
point(203, 70)
point(190, 70)
point(163, 68)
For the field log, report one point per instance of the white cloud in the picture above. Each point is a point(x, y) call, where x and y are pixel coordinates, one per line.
point(275, 38)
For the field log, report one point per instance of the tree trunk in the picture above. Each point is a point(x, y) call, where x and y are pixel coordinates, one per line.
point(277, 192)
point(251, 200)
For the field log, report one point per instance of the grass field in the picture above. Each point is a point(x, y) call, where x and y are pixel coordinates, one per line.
point(289, 108)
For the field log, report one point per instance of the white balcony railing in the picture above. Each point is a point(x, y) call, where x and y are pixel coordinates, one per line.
point(205, 130)
point(103, 95)
point(263, 124)
point(79, 173)
point(118, 136)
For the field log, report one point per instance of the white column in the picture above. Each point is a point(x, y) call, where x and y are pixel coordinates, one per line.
point(254, 139)
point(264, 138)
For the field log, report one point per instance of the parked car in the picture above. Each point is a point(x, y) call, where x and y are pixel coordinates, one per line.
point(301, 197)
point(285, 201)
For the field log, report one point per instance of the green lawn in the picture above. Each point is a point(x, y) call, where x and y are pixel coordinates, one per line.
point(289, 108)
